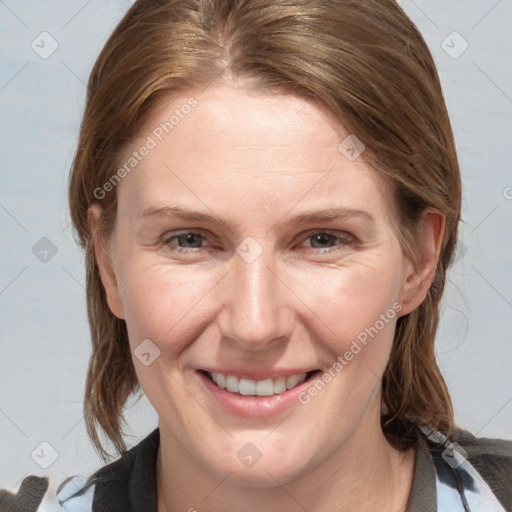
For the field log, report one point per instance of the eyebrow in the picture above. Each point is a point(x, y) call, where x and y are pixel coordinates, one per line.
point(326, 215)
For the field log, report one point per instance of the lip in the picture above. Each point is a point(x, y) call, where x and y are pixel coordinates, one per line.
point(254, 406)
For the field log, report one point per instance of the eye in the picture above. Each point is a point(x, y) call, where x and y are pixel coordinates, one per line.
point(186, 241)
point(325, 241)
point(320, 241)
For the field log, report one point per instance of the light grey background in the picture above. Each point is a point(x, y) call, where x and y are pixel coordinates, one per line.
point(44, 333)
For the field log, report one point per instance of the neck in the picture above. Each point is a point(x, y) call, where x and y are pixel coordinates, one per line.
point(365, 473)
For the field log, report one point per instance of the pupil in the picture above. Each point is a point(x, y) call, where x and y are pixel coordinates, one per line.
point(323, 238)
point(190, 239)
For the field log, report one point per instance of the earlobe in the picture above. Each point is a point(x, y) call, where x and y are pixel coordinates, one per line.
point(418, 277)
point(104, 260)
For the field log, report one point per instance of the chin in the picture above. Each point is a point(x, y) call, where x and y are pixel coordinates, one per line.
point(249, 466)
point(263, 475)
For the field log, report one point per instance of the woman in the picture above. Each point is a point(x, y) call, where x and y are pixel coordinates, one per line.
point(303, 149)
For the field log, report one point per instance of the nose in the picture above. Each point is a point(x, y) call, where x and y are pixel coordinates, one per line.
point(258, 309)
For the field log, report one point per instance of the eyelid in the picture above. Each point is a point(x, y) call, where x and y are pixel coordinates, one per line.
point(334, 232)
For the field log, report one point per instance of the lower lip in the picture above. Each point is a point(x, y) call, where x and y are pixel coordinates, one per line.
point(254, 406)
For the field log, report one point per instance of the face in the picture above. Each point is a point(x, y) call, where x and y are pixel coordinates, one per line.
point(249, 249)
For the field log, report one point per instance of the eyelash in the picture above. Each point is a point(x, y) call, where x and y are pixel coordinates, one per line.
point(345, 241)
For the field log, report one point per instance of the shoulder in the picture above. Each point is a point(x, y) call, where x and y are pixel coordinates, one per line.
point(481, 466)
point(40, 494)
point(483, 447)
point(492, 458)
point(115, 486)
point(130, 481)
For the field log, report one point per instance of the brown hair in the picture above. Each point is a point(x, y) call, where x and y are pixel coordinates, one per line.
point(364, 62)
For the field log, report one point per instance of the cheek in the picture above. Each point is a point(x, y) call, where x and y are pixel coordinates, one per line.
point(159, 301)
point(352, 298)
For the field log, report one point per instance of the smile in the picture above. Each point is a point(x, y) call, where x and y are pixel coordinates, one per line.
point(265, 397)
point(248, 387)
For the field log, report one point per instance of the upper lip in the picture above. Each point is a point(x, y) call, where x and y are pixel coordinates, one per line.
point(260, 375)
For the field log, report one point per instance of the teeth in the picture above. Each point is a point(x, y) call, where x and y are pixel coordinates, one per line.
point(232, 384)
point(264, 387)
point(280, 385)
point(292, 381)
point(249, 387)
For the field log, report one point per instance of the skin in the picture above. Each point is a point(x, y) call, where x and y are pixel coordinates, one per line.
point(256, 161)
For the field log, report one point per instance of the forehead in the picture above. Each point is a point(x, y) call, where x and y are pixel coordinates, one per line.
point(229, 116)
point(230, 145)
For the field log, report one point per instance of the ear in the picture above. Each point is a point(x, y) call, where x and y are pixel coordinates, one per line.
point(104, 260)
point(418, 277)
